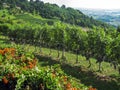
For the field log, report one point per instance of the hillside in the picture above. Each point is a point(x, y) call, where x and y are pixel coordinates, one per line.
point(41, 50)
point(52, 11)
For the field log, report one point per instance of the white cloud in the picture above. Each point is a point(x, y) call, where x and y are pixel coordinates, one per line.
point(103, 4)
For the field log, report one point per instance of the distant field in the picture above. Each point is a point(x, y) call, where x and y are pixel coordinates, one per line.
point(109, 16)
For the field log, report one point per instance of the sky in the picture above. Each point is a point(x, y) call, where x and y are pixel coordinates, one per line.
point(94, 4)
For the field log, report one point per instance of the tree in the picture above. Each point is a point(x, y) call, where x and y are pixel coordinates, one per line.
point(118, 28)
point(1, 4)
point(37, 1)
point(31, 1)
point(63, 6)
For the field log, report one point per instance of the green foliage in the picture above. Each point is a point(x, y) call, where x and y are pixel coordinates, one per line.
point(20, 71)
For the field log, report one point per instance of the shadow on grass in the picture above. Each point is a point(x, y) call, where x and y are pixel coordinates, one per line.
point(86, 77)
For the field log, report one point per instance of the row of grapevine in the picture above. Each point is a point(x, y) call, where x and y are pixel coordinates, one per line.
point(99, 43)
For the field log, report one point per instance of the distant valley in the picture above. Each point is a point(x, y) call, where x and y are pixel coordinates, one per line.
point(109, 16)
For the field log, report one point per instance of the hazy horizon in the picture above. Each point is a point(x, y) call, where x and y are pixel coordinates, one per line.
point(91, 4)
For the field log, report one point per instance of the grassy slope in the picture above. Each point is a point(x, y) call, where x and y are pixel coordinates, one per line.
point(107, 69)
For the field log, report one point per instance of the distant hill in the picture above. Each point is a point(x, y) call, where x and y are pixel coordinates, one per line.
point(109, 16)
point(53, 11)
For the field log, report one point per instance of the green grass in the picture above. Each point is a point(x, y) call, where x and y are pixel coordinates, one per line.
point(71, 59)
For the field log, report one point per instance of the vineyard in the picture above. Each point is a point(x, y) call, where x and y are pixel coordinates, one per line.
point(46, 54)
point(103, 45)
